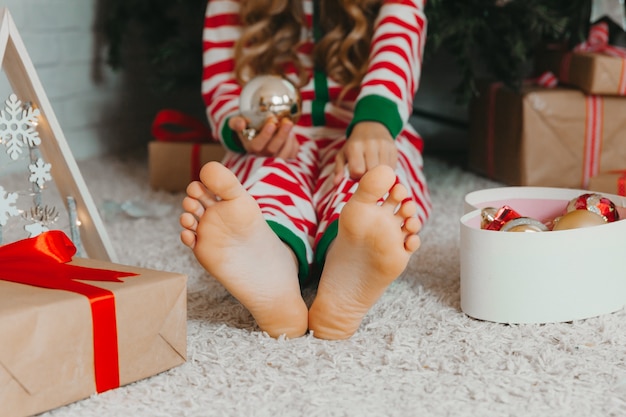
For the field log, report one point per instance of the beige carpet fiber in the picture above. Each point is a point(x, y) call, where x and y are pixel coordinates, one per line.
point(416, 353)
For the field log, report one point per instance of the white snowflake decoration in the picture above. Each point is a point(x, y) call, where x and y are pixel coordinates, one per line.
point(7, 206)
point(18, 127)
point(35, 229)
point(39, 172)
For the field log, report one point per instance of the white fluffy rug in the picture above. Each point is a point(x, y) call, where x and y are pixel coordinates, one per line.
point(416, 353)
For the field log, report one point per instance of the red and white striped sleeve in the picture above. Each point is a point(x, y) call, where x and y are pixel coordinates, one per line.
point(396, 55)
point(220, 90)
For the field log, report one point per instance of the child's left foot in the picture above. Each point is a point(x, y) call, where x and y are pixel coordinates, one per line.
point(372, 248)
point(229, 236)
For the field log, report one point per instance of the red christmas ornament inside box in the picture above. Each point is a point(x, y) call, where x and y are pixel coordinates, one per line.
point(542, 277)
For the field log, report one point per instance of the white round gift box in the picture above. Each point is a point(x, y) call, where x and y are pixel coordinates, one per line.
point(542, 277)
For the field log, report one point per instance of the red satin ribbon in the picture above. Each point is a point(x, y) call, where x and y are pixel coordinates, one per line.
point(593, 137)
point(42, 262)
point(174, 126)
point(547, 80)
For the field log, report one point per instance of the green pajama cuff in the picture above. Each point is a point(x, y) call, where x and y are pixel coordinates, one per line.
point(231, 141)
point(322, 246)
point(377, 109)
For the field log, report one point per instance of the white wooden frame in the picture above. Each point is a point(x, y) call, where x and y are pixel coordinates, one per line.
point(25, 83)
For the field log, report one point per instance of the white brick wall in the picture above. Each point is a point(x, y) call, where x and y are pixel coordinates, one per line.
point(99, 110)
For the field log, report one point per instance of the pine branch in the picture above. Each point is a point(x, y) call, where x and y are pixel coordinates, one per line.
point(170, 32)
point(501, 36)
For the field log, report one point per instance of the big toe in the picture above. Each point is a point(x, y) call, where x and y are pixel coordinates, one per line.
point(221, 181)
point(375, 184)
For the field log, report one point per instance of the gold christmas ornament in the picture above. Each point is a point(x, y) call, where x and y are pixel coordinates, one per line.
point(267, 95)
point(578, 219)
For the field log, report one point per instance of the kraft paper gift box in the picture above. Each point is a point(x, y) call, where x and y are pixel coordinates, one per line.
point(182, 145)
point(173, 165)
point(556, 137)
point(542, 277)
point(609, 182)
point(592, 72)
point(60, 346)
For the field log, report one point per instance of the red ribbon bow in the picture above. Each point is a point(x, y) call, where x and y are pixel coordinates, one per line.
point(42, 262)
point(174, 126)
point(598, 41)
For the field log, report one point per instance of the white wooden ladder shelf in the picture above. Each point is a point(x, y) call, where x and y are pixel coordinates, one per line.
point(25, 83)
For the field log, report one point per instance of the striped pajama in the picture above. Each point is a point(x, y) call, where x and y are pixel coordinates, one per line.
point(298, 197)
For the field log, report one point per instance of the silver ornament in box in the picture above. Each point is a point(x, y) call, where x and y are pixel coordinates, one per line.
point(267, 95)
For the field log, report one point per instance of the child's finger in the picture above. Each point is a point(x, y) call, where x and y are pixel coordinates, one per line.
point(340, 166)
point(259, 143)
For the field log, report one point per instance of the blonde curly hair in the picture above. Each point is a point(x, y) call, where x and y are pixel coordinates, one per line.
point(272, 34)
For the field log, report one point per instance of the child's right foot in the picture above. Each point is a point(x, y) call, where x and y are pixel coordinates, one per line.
point(230, 238)
point(373, 246)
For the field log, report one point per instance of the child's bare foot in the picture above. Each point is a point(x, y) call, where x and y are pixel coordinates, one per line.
point(230, 238)
point(372, 248)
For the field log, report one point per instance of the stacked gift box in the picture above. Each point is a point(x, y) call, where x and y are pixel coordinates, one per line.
point(181, 145)
point(572, 135)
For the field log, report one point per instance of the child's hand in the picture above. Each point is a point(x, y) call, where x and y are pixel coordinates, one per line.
point(274, 139)
point(370, 144)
